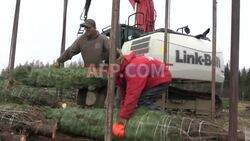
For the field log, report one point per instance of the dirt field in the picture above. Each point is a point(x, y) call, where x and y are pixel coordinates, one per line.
point(59, 137)
point(222, 119)
point(243, 117)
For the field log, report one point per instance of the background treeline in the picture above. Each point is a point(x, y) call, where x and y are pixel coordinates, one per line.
point(244, 83)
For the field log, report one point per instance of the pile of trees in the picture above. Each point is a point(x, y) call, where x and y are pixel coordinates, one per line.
point(244, 78)
point(64, 78)
point(38, 86)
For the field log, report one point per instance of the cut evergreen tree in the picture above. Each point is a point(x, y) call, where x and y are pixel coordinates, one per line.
point(23, 94)
point(143, 126)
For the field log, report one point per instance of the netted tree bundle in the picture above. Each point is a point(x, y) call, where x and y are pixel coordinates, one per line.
point(23, 94)
point(143, 126)
point(26, 119)
point(59, 78)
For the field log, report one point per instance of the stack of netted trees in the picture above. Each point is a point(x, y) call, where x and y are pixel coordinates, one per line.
point(143, 126)
point(58, 78)
point(23, 94)
point(38, 85)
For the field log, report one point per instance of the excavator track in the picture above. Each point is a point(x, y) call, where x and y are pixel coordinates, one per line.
point(176, 99)
point(198, 102)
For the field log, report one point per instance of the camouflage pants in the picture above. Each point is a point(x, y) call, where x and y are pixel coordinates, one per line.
point(150, 97)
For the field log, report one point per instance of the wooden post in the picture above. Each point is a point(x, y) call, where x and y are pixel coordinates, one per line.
point(14, 37)
point(65, 6)
point(111, 79)
point(166, 46)
point(136, 7)
point(234, 71)
point(64, 27)
point(213, 88)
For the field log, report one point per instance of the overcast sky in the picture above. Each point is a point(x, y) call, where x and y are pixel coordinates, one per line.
point(40, 25)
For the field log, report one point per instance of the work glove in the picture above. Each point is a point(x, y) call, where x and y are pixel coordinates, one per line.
point(56, 65)
point(118, 128)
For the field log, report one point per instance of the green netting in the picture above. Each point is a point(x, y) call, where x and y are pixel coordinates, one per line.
point(34, 96)
point(143, 126)
point(59, 78)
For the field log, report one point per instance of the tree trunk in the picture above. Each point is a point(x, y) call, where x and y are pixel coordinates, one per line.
point(47, 129)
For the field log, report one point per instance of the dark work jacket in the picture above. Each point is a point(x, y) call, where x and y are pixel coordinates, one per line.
point(94, 50)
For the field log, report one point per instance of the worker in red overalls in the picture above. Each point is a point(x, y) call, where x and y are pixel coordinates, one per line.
point(137, 75)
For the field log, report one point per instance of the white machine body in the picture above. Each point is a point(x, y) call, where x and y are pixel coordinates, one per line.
point(189, 58)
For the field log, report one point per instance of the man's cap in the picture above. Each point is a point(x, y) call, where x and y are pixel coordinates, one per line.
point(89, 23)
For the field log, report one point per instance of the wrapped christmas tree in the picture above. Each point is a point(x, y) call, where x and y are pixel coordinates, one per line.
point(23, 94)
point(145, 125)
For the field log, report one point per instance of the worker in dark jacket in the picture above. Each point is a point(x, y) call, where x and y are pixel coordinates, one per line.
point(93, 46)
point(137, 74)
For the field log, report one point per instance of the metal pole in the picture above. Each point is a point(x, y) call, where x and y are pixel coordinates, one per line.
point(64, 26)
point(234, 71)
point(166, 45)
point(111, 78)
point(14, 37)
point(214, 58)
